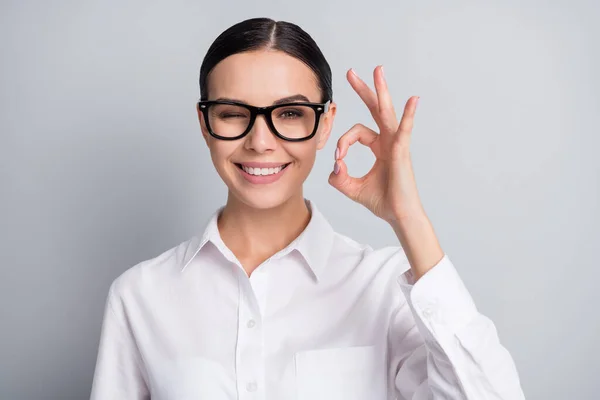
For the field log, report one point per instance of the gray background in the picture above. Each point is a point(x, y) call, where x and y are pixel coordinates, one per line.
point(102, 164)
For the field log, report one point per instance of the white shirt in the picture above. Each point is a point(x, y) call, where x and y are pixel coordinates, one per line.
point(324, 318)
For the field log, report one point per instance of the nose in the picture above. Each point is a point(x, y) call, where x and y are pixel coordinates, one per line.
point(260, 138)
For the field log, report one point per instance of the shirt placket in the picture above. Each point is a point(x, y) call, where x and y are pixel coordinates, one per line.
point(250, 360)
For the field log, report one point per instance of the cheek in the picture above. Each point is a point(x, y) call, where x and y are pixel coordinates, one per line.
point(304, 154)
point(221, 152)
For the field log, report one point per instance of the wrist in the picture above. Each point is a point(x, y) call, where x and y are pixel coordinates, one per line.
point(399, 222)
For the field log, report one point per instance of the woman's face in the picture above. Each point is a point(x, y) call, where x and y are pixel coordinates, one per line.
point(262, 78)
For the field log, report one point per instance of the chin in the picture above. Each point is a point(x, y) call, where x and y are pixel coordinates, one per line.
point(262, 199)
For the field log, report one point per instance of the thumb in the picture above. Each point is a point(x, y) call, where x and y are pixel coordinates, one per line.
point(343, 182)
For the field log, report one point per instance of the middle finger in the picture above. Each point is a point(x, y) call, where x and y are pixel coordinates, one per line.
point(365, 93)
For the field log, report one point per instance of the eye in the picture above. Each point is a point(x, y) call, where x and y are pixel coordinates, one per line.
point(231, 115)
point(228, 112)
point(291, 113)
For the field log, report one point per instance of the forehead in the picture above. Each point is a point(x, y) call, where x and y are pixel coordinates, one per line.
point(262, 77)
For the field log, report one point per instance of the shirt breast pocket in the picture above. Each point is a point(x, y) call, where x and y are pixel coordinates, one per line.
point(349, 373)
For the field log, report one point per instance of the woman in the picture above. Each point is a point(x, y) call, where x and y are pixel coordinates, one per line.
point(268, 302)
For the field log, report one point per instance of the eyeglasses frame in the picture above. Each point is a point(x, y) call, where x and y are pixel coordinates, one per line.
point(319, 108)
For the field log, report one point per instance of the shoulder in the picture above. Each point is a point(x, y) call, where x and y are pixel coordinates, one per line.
point(348, 251)
point(145, 275)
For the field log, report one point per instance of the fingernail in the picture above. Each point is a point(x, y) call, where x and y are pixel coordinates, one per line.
point(382, 74)
point(337, 153)
point(417, 102)
point(353, 71)
point(336, 168)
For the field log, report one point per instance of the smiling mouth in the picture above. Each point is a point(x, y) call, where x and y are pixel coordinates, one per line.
point(262, 171)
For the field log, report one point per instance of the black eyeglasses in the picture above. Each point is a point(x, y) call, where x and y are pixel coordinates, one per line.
point(294, 122)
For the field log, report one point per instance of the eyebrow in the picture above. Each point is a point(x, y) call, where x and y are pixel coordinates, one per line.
point(288, 99)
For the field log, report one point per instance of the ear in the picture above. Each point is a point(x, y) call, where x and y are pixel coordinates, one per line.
point(326, 125)
point(203, 128)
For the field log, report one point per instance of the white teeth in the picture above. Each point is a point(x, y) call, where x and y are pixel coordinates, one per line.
point(262, 171)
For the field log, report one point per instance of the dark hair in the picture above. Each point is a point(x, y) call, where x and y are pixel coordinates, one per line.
point(264, 33)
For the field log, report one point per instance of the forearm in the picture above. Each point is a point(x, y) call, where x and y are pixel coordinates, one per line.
point(464, 357)
point(417, 238)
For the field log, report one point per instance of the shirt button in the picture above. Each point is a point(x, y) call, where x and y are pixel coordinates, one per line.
point(251, 386)
point(428, 312)
point(251, 323)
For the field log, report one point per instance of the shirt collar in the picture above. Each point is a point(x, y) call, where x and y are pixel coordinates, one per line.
point(314, 243)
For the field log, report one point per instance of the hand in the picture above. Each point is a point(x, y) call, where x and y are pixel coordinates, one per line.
point(389, 189)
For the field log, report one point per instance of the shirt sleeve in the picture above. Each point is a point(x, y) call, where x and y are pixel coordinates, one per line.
point(442, 347)
point(118, 373)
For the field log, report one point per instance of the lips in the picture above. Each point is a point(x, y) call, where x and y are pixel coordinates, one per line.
point(258, 171)
point(262, 173)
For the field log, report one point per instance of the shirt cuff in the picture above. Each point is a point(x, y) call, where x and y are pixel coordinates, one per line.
point(439, 299)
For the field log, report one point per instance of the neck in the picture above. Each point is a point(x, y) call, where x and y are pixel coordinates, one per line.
point(253, 235)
